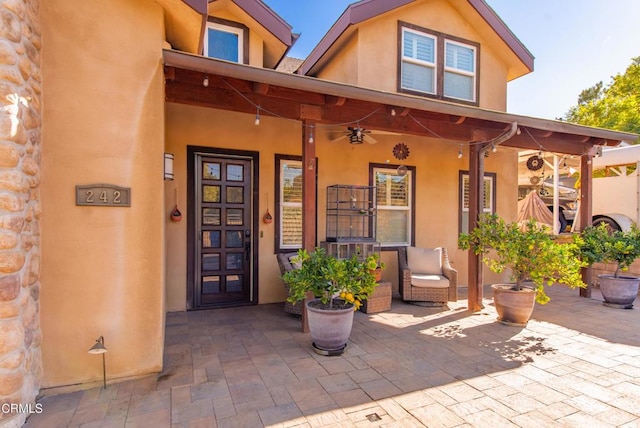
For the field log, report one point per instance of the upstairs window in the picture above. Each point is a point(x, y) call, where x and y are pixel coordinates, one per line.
point(459, 71)
point(418, 62)
point(226, 40)
point(437, 65)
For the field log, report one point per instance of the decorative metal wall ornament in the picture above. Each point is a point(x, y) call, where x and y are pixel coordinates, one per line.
point(534, 163)
point(401, 151)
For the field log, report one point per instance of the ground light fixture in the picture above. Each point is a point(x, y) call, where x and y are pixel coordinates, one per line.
point(98, 348)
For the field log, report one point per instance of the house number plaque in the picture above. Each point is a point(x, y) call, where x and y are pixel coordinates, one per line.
point(103, 195)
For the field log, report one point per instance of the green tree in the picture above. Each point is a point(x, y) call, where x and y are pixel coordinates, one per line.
point(616, 106)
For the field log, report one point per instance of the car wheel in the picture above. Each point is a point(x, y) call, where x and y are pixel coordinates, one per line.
point(612, 226)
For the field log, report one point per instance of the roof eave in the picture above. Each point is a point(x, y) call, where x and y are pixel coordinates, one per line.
point(271, 21)
point(306, 83)
point(352, 15)
point(499, 26)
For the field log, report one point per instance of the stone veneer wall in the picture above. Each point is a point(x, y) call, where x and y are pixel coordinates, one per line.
point(20, 125)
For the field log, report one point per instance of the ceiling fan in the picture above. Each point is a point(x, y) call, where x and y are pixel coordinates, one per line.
point(357, 135)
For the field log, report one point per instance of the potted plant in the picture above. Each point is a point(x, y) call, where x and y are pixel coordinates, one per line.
point(601, 244)
point(534, 258)
point(375, 266)
point(339, 287)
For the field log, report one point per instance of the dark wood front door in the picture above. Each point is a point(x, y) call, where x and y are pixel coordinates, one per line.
point(223, 257)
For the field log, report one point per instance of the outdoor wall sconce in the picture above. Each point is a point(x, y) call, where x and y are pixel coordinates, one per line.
point(98, 348)
point(168, 166)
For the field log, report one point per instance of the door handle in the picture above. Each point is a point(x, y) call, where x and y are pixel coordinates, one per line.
point(247, 249)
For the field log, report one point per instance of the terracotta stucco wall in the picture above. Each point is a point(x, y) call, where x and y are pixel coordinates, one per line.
point(437, 172)
point(103, 113)
point(376, 51)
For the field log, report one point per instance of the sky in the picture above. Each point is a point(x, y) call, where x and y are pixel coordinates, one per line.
point(576, 44)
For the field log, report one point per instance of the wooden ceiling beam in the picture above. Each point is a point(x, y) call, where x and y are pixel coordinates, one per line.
point(332, 100)
point(458, 120)
point(555, 144)
point(260, 88)
point(228, 93)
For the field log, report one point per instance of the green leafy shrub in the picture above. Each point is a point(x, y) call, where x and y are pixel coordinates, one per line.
point(335, 282)
point(528, 250)
point(600, 244)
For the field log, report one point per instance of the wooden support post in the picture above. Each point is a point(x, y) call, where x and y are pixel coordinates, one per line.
point(586, 198)
point(476, 196)
point(309, 185)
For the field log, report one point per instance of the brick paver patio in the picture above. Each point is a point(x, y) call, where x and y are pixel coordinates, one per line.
point(577, 363)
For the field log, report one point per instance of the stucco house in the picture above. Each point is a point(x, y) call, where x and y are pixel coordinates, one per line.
point(154, 158)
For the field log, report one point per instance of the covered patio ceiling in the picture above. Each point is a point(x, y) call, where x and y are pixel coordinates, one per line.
point(241, 88)
point(312, 101)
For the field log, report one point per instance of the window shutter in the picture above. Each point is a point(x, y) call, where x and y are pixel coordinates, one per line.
point(291, 207)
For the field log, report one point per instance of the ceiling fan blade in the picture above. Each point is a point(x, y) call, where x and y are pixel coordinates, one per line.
point(369, 139)
point(339, 138)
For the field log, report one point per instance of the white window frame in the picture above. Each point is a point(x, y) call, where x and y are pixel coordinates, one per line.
point(490, 179)
point(453, 70)
point(282, 204)
point(439, 66)
point(421, 63)
point(227, 29)
point(409, 208)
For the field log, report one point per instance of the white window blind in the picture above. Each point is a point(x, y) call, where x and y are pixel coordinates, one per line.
point(459, 74)
point(290, 204)
point(418, 62)
point(394, 207)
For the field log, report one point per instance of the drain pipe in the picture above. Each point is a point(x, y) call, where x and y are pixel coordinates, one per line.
point(474, 296)
point(492, 144)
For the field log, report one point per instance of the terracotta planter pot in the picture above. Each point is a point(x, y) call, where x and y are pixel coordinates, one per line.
point(619, 292)
point(377, 273)
point(330, 329)
point(513, 307)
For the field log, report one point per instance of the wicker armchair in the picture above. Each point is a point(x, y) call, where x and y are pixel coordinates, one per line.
point(284, 262)
point(426, 275)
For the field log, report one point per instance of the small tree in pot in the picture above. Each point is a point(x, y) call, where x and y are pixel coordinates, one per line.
point(534, 258)
point(600, 244)
point(339, 287)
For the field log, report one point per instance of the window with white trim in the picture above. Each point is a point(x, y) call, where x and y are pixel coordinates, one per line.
point(289, 215)
point(459, 71)
point(488, 203)
point(395, 204)
point(418, 61)
point(437, 65)
point(225, 40)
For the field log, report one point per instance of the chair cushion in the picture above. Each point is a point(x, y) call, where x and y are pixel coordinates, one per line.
point(425, 260)
point(293, 261)
point(429, 281)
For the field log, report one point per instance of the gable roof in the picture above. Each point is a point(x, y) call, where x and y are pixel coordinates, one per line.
point(270, 20)
point(364, 10)
point(272, 24)
point(184, 22)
